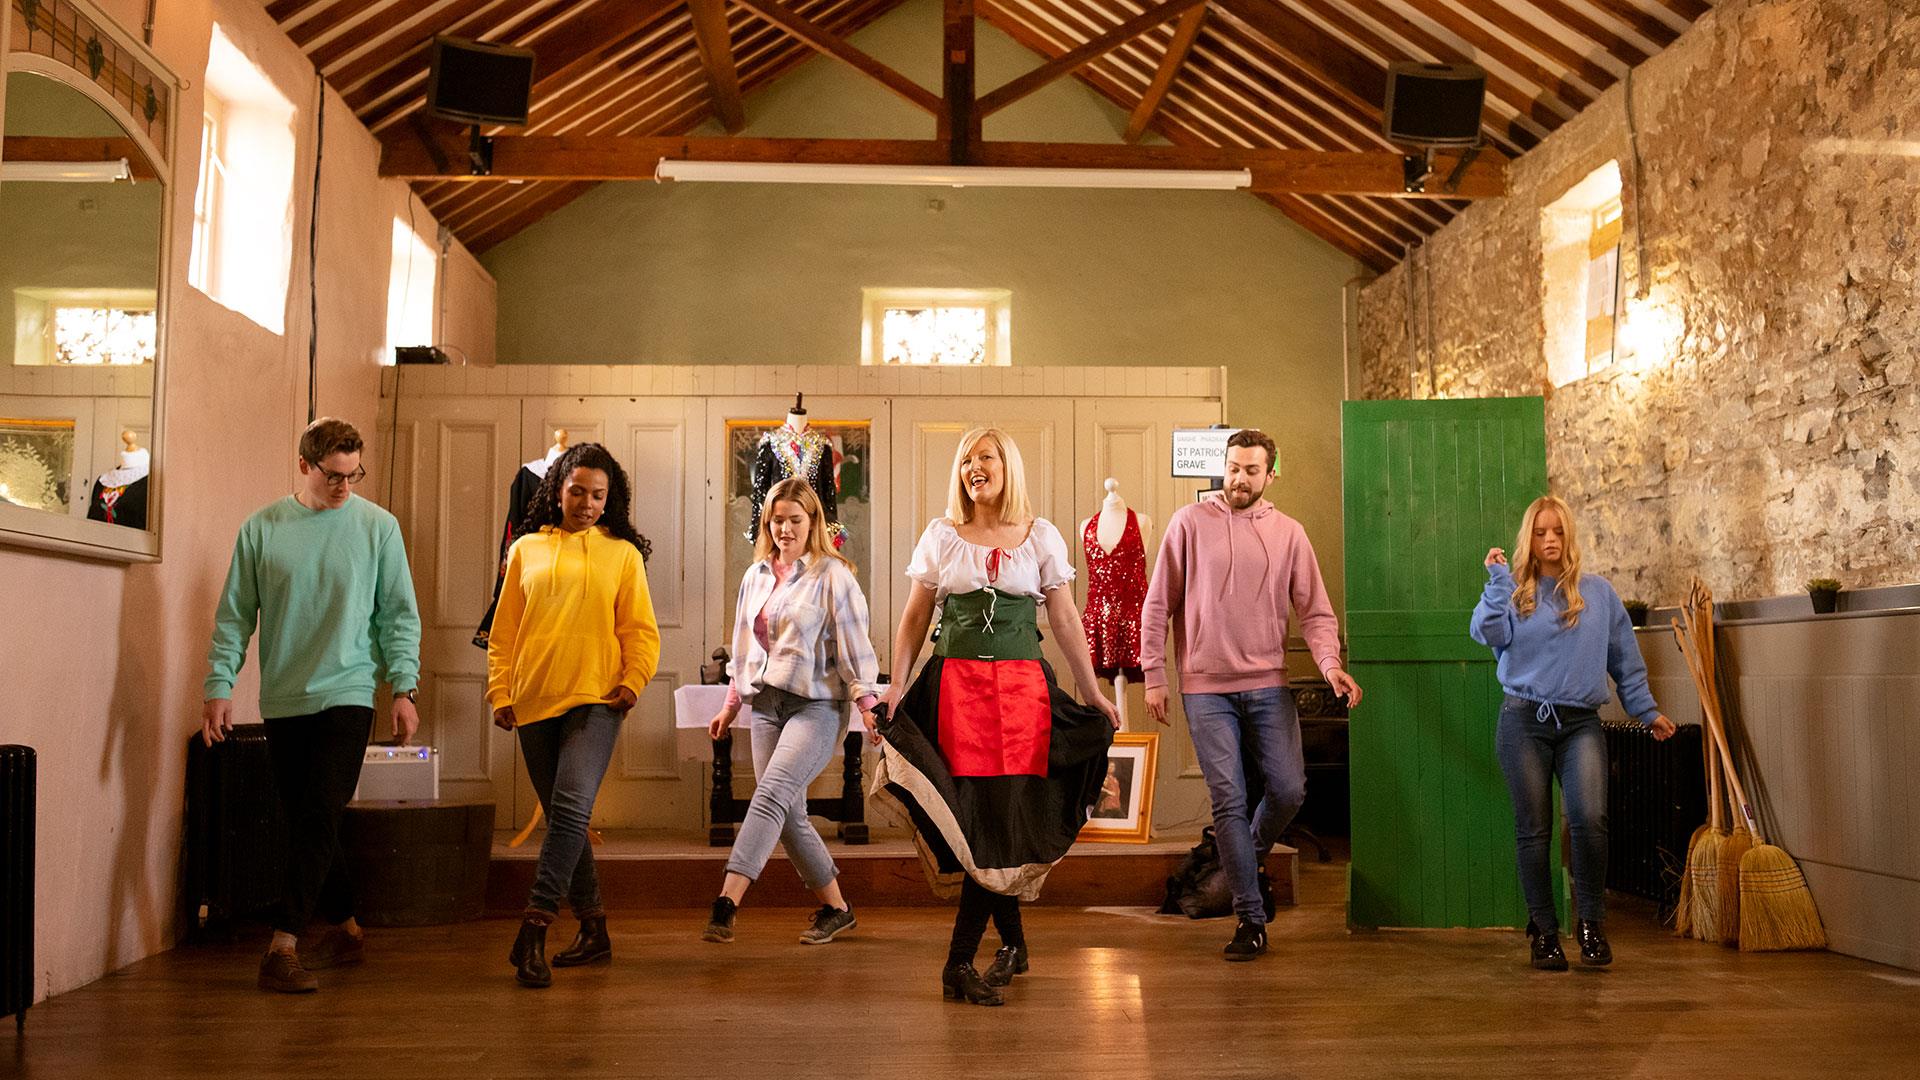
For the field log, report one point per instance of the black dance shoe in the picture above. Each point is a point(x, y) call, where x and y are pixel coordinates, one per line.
point(720, 923)
point(1594, 950)
point(1249, 941)
point(961, 983)
point(1008, 961)
point(1546, 949)
point(529, 956)
point(589, 946)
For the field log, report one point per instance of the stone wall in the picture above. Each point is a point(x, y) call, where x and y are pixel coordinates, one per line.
point(1762, 424)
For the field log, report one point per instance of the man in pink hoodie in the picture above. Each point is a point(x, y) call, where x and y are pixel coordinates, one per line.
point(1230, 568)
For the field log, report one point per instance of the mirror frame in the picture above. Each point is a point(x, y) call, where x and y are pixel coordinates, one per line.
point(19, 526)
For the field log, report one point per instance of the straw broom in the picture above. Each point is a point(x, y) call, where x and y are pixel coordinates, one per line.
point(1700, 623)
point(1699, 914)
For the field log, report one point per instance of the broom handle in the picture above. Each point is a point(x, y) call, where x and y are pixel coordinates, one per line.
point(1709, 653)
point(1706, 745)
point(1710, 712)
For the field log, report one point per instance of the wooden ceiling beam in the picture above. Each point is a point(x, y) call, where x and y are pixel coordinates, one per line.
point(825, 41)
point(1083, 54)
point(960, 115)
point(282, 10)
point(1690, 10)
point(1333, 63)
point(715, 42)
point(1642, 22)
point(635, 157)
point(20, 149)
point(1497, 15)
point(341, 11)
point(392, 59)
point(1619, 48)
point(1164, 75)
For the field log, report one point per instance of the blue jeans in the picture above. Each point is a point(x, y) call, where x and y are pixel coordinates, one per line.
point(1536, 743)
point(567, 757)
point(793, 740)
point(1260, 728)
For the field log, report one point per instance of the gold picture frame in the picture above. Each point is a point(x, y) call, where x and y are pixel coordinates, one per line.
point(1124, 812)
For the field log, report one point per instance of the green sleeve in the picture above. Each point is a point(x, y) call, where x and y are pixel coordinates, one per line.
point(234, 619)
point(396, 615)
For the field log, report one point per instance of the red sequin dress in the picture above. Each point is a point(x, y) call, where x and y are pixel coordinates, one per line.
point(1116, 589)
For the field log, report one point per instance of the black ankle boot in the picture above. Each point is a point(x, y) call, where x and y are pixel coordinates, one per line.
point(529, 956)
point(961, 983)
point(1008, 961)
point(589, 945)
point(1546, 949)
point(1594, 950)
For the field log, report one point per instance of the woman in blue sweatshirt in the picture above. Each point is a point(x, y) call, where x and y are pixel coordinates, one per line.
point(1558, 634)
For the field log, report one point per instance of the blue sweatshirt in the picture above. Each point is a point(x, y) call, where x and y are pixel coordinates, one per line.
point(1542, 660)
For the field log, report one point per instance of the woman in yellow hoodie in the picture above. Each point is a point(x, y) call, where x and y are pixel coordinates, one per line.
point(574, 642)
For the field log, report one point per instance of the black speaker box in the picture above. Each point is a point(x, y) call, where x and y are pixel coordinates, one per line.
point(1434, 104)
point(476, 82)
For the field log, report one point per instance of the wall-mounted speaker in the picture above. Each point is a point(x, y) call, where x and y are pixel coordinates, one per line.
point(1434, 104)
point(477, 82)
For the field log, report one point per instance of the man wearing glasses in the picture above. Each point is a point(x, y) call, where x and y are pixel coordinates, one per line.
point(324, 575)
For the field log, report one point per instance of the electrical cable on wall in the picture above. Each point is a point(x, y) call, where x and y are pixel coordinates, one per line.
point(1641, 286)
point(313, 251)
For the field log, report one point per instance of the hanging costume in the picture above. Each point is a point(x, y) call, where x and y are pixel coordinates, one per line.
point(784, 452)
point(1116, 588)
point(994, 763)
point(119, 495)
point(525, 483)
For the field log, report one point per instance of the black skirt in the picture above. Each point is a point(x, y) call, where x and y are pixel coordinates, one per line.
point(1004, 831)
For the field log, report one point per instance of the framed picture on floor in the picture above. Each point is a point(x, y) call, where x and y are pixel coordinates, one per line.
point(1124, 811)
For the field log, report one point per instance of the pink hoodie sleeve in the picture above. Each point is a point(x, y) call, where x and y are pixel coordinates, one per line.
point(1169, 584)
point(1311, 604)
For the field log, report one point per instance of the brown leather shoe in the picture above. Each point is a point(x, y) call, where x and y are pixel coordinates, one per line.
point(331, 948)
point(280, 970)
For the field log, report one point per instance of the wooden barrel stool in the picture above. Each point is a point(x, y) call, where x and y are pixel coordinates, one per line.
point(418, 863)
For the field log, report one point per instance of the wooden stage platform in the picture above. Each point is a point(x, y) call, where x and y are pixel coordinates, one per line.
point(1116, 993)
point(640, 872)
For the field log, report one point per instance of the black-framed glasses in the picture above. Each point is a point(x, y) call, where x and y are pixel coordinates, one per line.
point(335, 479)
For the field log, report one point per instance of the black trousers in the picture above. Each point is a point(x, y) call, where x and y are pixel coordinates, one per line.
point(316, 766)
point(978, 904)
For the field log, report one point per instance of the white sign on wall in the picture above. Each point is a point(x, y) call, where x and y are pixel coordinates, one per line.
point(1200, 453)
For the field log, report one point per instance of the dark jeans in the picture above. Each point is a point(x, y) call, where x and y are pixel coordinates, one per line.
point(977, 905)
point(1535, 744)
point(1229, 731)
point(567, 757)
point(316, 766)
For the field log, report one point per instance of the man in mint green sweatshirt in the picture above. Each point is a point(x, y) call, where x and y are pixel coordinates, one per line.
point(324, 576)
point(1230, 569)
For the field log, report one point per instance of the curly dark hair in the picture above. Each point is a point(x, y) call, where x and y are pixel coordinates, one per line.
point(617, 518)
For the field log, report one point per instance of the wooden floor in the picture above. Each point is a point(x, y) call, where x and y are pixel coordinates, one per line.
point(1114, 993)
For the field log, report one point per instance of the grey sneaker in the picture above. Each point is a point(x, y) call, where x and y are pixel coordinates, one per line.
point(827, 923)
point(280, 970)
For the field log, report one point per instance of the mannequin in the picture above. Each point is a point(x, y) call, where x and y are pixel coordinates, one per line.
point(795, 448)
point(526, 481)
point(119, 495)
point(1114, 542)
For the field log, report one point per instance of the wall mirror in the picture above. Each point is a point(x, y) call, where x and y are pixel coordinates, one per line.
point(84, 207)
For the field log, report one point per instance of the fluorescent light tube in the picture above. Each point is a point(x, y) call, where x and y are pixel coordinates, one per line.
point(759, 172)
point(74, 172)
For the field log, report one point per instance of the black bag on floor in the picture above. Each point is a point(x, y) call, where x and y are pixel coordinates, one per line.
point(1199, 889)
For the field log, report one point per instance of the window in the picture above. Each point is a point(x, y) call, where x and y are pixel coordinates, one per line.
point(937, 327)
point(243, 209)
point(412, 299)
point(93, 327)
point(1580, 253)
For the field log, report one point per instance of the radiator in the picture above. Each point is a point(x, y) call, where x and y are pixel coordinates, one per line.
point(16, 881)
point(236, 835)
point(1656, 797)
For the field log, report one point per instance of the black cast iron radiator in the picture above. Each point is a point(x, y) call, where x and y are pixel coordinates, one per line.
point(1656, 797)
point(236, 834)
point(16, 881)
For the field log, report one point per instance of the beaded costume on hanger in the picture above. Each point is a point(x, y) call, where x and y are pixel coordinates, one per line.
point(784, 452)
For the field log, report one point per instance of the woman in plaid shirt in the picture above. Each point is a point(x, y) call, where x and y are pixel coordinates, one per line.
point(800, 651)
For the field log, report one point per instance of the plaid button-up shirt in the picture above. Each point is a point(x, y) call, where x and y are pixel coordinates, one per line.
point(818, 644)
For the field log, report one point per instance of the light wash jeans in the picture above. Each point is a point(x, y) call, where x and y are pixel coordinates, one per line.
point(793, 741)
point(566, 758)
point(1259, 727)
point(1535, 743)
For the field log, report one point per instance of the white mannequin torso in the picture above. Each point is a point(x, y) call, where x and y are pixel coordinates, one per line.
point(1113, 520)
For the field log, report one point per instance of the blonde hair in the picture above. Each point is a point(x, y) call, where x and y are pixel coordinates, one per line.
point(1014, 504)
point(820, 547)
point(1526, 573)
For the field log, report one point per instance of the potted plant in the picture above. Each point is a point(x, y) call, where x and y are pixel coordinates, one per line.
point(1825, 593)
point(1636, 611)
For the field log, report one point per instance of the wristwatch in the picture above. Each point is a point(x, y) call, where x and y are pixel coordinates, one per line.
point(411, 695)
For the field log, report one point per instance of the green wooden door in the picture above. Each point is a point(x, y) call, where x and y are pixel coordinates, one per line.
point(1430, 486)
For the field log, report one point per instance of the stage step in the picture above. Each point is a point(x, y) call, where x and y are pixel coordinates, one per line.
point(640, 871)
